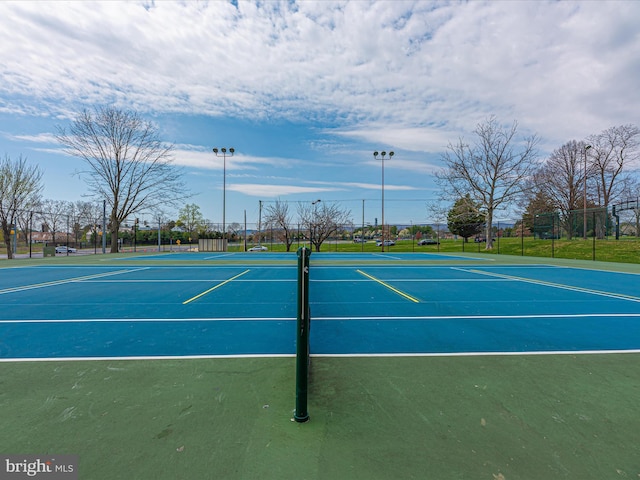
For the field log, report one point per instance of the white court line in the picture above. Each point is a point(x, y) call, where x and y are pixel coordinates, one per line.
point(152, 320)
point(195, 280)
point(146, 357)
point(219, 256)
point(482, 317)
point(413, 280)
point(476, 354)
point(384, 255)
point(321, 355)
point(561, 286)
point(68, 280)
point(316, 319)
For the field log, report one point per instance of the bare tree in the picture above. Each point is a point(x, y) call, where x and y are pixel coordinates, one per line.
point(127, 163)
point(55, 215)
point(20, 184)
point(25, 217)
point(492, 171)
point(90, 220)
point(561, 180)
point(322, 220)
point(81, 213)
point(613, 152)
point(277, 216)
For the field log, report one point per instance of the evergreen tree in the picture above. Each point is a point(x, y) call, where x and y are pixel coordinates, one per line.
point(465, 218)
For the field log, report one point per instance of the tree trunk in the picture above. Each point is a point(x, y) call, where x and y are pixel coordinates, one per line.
point(115, 226)
point(7, 242)
point(489, 236)
point(7, 238)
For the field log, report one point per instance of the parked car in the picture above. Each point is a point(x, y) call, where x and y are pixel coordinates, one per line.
point(359, 240)
point(428, 241)
point(258, 248)
point(387, 243)
point(65, 249)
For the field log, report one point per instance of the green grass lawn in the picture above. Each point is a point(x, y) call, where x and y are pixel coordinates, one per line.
point(626, 250)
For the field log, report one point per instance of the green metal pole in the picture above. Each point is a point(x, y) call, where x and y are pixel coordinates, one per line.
point(301, 413)
point(594, 236)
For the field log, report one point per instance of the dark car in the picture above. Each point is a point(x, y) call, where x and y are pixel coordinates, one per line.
point(428, 241)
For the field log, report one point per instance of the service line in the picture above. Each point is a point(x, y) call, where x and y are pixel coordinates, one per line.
point(213, 288)
point(393, 289)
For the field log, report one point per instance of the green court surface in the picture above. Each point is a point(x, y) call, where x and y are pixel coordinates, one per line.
point(484, 415)
point(493, 417)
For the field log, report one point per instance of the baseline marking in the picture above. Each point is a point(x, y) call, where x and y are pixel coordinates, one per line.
point(393, 289)
point(315, 319)
point(620, 296)
point(150, 320)
point(320, 355)
point(213, 288)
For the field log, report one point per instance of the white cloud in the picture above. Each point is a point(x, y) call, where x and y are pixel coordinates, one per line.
point(47, 138)
point(419, 67)
point(194, 156)
point(369, 186)
point(416, 139)
point(274, 191)
point(407, 75)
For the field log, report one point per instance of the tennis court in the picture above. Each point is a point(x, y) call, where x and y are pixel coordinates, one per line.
point(390, 332)
point(124, 311)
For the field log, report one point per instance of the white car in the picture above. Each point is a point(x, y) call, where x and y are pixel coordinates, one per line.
point(387, 243)
point(65, 249)
point(258, 248)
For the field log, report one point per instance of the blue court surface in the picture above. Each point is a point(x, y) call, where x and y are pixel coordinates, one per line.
point(123, 310)
point(249, 257)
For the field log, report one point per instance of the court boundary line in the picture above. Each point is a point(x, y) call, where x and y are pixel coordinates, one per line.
point(148, 320)
point(316, 319)
point(321, 355)
point(483, 317)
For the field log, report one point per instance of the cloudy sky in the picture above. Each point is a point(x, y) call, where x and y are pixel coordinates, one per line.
point(305, 91)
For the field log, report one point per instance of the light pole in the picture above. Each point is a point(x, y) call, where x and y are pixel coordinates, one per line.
point(224, 189)
point(313, 220)
point(382, 155)
point(584, 220)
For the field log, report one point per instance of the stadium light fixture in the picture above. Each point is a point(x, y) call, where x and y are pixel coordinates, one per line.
point(224, 187)
point(382, 155)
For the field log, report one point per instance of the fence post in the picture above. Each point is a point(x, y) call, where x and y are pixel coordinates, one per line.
point(593, 214)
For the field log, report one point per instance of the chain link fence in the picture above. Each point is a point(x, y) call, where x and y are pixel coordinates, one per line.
point(588, 234)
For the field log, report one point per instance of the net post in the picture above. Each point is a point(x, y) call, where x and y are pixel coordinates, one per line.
point(302, 339)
